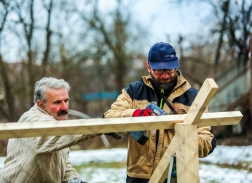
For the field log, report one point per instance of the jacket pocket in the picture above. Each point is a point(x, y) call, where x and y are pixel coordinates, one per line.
point(141, 166)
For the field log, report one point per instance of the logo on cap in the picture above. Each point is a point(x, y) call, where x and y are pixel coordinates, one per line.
point(167, 56)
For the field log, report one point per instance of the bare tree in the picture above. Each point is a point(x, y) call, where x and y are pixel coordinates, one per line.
point(223, 27)
point(115, 38)
point(235, 25)
point(103, 41)
point(28, 28)
point(241, 22)
point(9, 113)
point(48, 8)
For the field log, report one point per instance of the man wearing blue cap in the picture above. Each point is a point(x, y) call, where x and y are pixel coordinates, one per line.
point(166, 87)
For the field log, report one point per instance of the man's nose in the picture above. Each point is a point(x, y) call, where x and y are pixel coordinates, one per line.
point(64, 106)
point(165, 75)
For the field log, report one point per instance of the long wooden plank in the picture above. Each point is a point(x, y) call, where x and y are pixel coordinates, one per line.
point(220, 118)
point(85, 126)
point(161, 171)
point(201, 101)
point(92, 126)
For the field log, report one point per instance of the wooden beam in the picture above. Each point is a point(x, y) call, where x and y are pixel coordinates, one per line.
point(194, 116)
point(187, 162)
point(220, 118)
point(161, 171)
point(207, 119)
point(201, 101)
point(102, 125)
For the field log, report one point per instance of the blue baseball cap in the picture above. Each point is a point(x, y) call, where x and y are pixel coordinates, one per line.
point(163, 56)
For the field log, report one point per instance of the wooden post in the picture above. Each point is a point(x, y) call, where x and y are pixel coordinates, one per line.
point(201, 101)
point(187, 161)
point(192, 119)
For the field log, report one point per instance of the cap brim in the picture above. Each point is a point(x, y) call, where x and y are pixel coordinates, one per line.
point(165, 65)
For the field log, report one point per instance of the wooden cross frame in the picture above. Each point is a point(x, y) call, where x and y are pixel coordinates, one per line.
point(184, 143)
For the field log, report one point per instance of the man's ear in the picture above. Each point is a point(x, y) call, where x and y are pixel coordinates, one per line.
point(147, 65)
point(40, 104)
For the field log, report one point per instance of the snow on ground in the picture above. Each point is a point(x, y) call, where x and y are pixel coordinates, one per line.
point(103, 175)
point(102, 156)
point(209, 171)
point(216, 174)
point(230, 155)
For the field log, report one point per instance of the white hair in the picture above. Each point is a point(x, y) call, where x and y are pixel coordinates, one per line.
point(48, 82)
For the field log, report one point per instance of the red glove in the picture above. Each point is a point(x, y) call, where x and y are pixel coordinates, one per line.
point(142, 112)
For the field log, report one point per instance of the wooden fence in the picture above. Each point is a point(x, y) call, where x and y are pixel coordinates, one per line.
point(184, 144)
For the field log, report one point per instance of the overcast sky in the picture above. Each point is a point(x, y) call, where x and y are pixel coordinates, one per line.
point(163, 19)
point(166, 20)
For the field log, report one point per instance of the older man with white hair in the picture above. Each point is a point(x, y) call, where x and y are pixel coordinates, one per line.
point(43, 159)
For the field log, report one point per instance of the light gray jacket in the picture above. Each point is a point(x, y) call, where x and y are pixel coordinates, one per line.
point(40, 159)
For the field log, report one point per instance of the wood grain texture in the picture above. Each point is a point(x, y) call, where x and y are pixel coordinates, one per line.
point(201, 101)
point(101, 125)
point(187, 153)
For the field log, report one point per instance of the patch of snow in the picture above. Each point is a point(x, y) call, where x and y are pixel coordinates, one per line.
point(102, 156)
point(209, 171)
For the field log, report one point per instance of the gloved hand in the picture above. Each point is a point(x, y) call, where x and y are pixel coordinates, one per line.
point(115, 135)
point(75, 180)
point(142, 112)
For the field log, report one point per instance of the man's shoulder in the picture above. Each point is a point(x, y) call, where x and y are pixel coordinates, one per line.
point(35, 115)
point(136, 85)
point(189, 92)
point(186, 97)
point(192, 91)
point(140, 90)
point(139, 83)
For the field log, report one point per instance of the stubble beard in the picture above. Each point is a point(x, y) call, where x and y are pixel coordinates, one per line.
point(167, 85)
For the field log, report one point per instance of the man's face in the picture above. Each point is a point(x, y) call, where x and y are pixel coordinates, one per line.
point(164, 80)
point(57, 102)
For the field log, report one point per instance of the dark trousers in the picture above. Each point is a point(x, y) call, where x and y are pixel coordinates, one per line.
point(138, 180)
